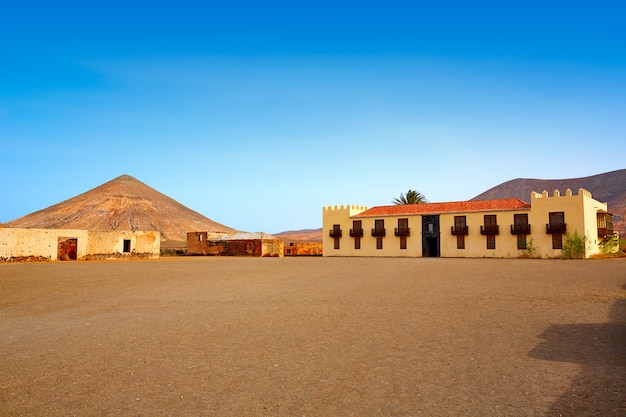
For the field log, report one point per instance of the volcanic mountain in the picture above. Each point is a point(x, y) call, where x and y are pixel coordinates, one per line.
point(609, 187)
point(123, 203)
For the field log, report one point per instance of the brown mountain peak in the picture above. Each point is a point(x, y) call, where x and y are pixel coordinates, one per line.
point(123, 203)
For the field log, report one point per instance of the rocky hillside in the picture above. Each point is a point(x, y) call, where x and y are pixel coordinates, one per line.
point(123, 203)
point(609, 187)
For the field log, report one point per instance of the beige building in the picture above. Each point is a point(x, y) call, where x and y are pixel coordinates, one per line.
point(18, 244)
point(505, 228)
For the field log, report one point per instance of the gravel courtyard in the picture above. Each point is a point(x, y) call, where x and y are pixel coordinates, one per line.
point(218, 336)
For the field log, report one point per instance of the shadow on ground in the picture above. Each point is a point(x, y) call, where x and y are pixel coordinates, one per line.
point(599, 389)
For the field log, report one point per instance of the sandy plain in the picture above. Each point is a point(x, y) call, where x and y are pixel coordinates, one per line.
point(209, 336)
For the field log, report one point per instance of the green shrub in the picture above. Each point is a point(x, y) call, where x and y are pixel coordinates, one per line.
point(609, 245)
point(531, 249)
point(575, 246)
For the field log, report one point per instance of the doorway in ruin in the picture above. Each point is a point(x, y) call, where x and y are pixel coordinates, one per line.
point(67, 248)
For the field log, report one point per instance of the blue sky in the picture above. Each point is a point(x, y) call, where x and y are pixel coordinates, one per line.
point(258, 114)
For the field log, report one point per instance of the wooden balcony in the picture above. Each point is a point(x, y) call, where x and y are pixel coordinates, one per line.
point(605, 224)
point(520, 229)
point(403, 231)
point(378, 232)
point(490, 229)
point(356, 232)
point(459, 230)
point(335, 232)
point(556, 228)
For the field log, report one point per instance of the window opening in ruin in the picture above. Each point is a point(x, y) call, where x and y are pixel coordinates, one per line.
point(67, 248)
point(126, 245)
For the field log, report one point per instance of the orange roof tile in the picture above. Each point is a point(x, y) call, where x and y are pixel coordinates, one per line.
point(452, 207)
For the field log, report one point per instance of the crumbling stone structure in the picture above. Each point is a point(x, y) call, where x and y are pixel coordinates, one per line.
point(240, 244)
point(301, 248)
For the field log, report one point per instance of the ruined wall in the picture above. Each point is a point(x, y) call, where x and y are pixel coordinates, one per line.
point(303, 248)
point(200, 243)
point(110, 245)
point(196, 244)
point(272, 247)
point(18, 244)
point(227, 248)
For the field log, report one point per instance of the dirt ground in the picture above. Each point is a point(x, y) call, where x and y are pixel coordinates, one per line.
point(210, 336)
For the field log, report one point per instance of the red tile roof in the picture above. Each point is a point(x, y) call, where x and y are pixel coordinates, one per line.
point(453, 207)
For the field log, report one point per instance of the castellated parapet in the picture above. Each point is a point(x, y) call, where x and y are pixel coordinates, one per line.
point(350, 210)
point(556, 193)
point(344, 207)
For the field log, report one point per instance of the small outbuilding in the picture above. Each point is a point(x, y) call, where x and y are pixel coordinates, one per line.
point(20, 244)
point(239, 244)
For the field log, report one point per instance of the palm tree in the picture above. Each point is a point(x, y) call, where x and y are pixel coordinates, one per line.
point(411, 197)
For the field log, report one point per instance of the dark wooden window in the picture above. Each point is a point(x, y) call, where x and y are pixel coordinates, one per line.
point(460, 241)
point(357, 229)
point(357, 243)
point(521, 242)
point(557, 223)
point(379, 228)
point(557, 218)
point(491, 241)
point(335, 231)
point(402, 242)
point(403, 228)
point(379, 243)
point(460, 226)
point(520, 224)
point(491, 225)
point(336, 234)
point(557, 241)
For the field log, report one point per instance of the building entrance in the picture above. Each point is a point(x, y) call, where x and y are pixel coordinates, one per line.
point(430, 236)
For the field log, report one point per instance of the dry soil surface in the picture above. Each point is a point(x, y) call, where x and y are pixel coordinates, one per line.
point(313, 337)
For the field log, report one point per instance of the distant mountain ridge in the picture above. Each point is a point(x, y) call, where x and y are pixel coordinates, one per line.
point(307, 235)
point(123, 203)
point(609, 188)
